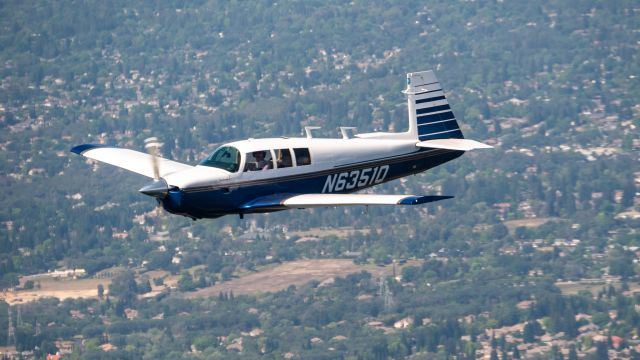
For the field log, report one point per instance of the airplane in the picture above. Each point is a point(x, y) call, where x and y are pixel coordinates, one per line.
point(274, 174)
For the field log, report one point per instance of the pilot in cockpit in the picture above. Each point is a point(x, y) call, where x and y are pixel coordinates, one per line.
point(259, 161)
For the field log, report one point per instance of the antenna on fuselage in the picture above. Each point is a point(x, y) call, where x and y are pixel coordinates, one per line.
point(307, 130)
point(345, 131)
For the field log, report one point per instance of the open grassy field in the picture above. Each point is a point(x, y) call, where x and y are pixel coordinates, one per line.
point(593, 286)
point(342, 232)
point(269, 279)
point(55, 287)
point(9, 352)
point(574, 287)
point(531, 223)
point(293, 273)
point(65, 288)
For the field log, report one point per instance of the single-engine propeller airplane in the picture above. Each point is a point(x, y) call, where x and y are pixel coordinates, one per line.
point(266, 175)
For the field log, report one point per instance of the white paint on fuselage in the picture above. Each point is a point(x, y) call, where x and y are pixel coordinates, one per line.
point(325, 154)
point(197, 176)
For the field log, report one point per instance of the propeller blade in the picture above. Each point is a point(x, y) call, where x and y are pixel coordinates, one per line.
point(159, 208)
point(158, 188)
point(153, 145)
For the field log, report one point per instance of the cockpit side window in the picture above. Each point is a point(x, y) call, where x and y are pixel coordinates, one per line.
point(302, 156)
point(258, 160)
point(225, 158)
point(283, 158)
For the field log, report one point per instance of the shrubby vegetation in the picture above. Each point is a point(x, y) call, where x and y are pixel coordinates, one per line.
point(340, 309)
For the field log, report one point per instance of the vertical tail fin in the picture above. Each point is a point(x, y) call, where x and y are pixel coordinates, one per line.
point(430, 116)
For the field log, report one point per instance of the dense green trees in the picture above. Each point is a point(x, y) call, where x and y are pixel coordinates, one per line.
point(621, 263)
point(316, 312)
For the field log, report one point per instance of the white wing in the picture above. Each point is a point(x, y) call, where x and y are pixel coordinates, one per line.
point(453, 144)
point(135, 161)
point(293, 201)
point(322, 200)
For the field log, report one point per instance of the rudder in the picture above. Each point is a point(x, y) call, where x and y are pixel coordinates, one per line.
point(430, 116)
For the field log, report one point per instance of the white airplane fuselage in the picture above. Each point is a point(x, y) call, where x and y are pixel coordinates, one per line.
point(336, 166)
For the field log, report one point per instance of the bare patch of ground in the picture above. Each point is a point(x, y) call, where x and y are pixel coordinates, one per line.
point(153, 274)
point(297, 273)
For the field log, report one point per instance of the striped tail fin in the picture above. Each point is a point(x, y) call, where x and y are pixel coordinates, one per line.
point(430, 116)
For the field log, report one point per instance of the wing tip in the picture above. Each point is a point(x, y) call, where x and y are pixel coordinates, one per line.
point(484, 146)
point(417, 200)
point(81, 149)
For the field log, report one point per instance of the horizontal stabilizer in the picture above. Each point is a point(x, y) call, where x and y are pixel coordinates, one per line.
point(288, 201)
point(135, 161)
point(453, 144)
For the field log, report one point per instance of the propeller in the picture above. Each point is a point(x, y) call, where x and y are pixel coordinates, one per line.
point(158, 188)
point(152, 145)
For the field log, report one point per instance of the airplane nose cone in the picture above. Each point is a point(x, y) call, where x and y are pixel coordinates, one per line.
point(157, 188)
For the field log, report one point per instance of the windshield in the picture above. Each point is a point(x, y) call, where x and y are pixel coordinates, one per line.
point(226, 158)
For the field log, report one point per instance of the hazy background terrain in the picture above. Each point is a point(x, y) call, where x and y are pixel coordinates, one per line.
point(553, 85)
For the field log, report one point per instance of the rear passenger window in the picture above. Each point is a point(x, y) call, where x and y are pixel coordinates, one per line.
point(283, 158)
point(302, 156)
